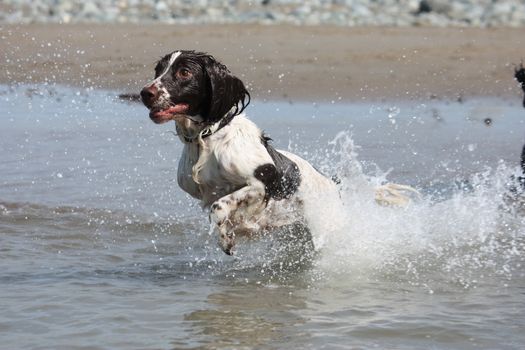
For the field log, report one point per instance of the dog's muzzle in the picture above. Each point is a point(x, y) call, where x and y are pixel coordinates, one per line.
point(149, 95)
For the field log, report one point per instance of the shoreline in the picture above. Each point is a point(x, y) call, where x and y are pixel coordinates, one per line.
point(325, 63)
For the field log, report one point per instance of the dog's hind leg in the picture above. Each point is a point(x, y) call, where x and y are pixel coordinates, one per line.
point(239, 207)
point(395, 195)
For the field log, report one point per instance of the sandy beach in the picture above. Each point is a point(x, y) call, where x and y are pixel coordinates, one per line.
point(277, 62)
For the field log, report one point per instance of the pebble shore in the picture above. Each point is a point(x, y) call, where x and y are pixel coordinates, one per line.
point(402, 13)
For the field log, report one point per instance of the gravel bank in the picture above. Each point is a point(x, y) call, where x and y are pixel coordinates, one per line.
point(442, 13)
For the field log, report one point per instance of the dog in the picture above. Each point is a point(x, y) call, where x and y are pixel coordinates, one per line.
point(227, 162)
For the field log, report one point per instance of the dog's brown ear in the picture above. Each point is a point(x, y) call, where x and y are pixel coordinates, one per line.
point(224, 91)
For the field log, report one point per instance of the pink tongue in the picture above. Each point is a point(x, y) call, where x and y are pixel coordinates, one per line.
point(177, 109)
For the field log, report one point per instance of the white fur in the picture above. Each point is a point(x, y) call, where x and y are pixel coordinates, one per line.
point(219, 162)
point(225, 179)
point(172, 60)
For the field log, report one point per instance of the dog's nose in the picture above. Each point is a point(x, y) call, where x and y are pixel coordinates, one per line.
point(149, 95)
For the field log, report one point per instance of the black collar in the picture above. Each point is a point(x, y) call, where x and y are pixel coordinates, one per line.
point(210, 129)
point(228, 117)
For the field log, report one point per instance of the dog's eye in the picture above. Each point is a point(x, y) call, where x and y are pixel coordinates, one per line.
point(183, 73)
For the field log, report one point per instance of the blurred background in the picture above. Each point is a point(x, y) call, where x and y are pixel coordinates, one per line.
point(479, 13)
point(315, 50)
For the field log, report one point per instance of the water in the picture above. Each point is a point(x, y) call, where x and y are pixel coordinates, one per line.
point(99, 249)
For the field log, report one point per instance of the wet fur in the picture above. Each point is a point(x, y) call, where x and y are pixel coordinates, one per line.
point(227, 162)
point(234, 171)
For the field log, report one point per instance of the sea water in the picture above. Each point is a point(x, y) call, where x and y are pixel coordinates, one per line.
point(100, 249)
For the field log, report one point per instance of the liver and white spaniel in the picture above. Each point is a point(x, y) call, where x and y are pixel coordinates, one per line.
point(227, 162)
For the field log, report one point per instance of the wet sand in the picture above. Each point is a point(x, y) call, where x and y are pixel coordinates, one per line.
point(277, 62)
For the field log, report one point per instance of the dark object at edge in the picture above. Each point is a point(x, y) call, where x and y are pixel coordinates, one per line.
point(519, 74)
point(280, 180)
point(424, 7)
point(523, 159)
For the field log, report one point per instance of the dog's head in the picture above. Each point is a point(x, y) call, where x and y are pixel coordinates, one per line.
point(189, 83)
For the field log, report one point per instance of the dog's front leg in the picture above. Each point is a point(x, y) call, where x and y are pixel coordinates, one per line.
point(236, 208)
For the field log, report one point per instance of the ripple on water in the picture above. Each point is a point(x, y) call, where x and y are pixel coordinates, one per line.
point(98, 245)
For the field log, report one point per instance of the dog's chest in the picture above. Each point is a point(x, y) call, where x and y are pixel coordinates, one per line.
point(215, 177)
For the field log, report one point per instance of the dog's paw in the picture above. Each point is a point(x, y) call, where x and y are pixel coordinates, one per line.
point(227, 241)
point(219, 213)
point(220, 216)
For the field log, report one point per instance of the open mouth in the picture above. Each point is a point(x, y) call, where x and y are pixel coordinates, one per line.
point(160, 116)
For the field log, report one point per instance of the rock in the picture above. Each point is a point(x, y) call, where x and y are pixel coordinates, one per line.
point(424, 7)
point(439, 6)
point(161, 6)
point(90, 10)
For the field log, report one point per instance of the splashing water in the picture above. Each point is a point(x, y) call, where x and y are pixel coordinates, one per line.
point(477, 231)
point(103, 233)
point(461, 235)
